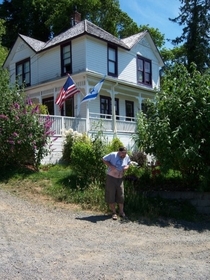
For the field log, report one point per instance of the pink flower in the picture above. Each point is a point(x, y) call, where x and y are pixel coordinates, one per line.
point(4, 117)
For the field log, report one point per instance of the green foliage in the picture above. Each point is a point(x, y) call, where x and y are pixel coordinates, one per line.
point(24, 138)
point(114, 145)
point(194, 16)
point(175, 55)
point(67, 149)
point(86, 157)
point(153, 208)
point(3, 50)
point(26, 17)
point(71, 137)
point(43, 109)
point(176, 127)
point(139, 157)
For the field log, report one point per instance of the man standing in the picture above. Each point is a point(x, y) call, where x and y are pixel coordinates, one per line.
point(118, 163)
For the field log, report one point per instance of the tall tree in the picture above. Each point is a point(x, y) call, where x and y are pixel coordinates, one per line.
point(195, 16)
point(26, 17)
point(3, 50)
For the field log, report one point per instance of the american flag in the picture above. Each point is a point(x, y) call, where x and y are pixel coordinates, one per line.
point(68, 90)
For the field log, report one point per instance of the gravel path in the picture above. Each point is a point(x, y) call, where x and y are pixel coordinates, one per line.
point(42, 242)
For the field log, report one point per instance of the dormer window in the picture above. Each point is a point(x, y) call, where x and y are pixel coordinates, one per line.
point(144, 71)
point(112, 61)
point(23, 73)
point(66, 64)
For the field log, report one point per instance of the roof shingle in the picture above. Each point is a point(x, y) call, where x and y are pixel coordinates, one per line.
point(83, 27)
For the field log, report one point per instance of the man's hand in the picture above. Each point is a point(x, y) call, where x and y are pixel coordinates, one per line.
point(125, 167)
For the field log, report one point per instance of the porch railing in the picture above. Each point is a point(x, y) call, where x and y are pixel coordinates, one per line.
point(95, 122)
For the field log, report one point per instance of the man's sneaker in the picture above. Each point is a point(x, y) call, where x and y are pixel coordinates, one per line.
point(114, 216)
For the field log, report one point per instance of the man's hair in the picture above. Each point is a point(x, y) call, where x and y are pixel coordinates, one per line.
point(122, 149)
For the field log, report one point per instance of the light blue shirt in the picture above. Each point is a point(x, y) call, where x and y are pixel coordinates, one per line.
point(117, 161)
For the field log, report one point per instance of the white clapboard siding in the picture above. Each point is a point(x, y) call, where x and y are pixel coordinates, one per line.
point(48, 66)
point(96, 56)
point(55, 155)
point(78, 55)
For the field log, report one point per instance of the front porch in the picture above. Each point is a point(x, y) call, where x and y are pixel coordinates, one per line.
point(96, 122)
point(119, 126)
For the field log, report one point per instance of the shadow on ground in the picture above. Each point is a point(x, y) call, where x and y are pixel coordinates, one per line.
point(199, 226)
point(95, 218)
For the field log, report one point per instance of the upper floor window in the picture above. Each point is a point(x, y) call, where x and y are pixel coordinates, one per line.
point(23, 73)
point(66, 64)
point(144, 71)
point(112, 61)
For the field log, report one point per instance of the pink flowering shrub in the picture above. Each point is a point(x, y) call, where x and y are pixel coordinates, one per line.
point(24, 136)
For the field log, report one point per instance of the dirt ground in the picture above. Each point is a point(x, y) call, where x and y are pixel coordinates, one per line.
point(40, 239)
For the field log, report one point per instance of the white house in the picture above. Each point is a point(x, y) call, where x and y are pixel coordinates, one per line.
point(87, 53)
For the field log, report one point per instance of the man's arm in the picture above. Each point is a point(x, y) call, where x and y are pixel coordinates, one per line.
point(108, 164)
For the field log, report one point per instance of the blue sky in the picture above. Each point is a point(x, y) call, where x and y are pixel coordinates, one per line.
point(156, 14)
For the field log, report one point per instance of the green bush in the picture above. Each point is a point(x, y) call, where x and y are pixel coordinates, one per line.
point(24, 136)
point(139, 157)
point(86, 157)
point(114, 145)
point(176, 127)
point(71, 137)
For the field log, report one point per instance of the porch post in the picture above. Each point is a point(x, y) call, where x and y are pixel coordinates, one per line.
point(87, 106)
point(87, 117)
point(62, 124)
point(114, 126)
point(140, 102)
point(77, 107)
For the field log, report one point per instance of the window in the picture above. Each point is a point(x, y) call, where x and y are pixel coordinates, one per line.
point(23, 74)
point(106, 106)
point(129, 109)
point(66, 65)
point(117, 108)
point(69, 107)
point(144, 73)
point(49, 102)
point(112, 61)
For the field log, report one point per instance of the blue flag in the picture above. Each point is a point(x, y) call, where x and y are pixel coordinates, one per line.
point(94, 92)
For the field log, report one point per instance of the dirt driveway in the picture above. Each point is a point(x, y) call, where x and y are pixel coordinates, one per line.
point(50, 242)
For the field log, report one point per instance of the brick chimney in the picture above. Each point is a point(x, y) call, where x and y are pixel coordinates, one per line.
point(76, 17)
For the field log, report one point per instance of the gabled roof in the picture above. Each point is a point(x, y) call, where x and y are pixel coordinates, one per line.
point(132, 40)
point(83, 27)
point(36, 45)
